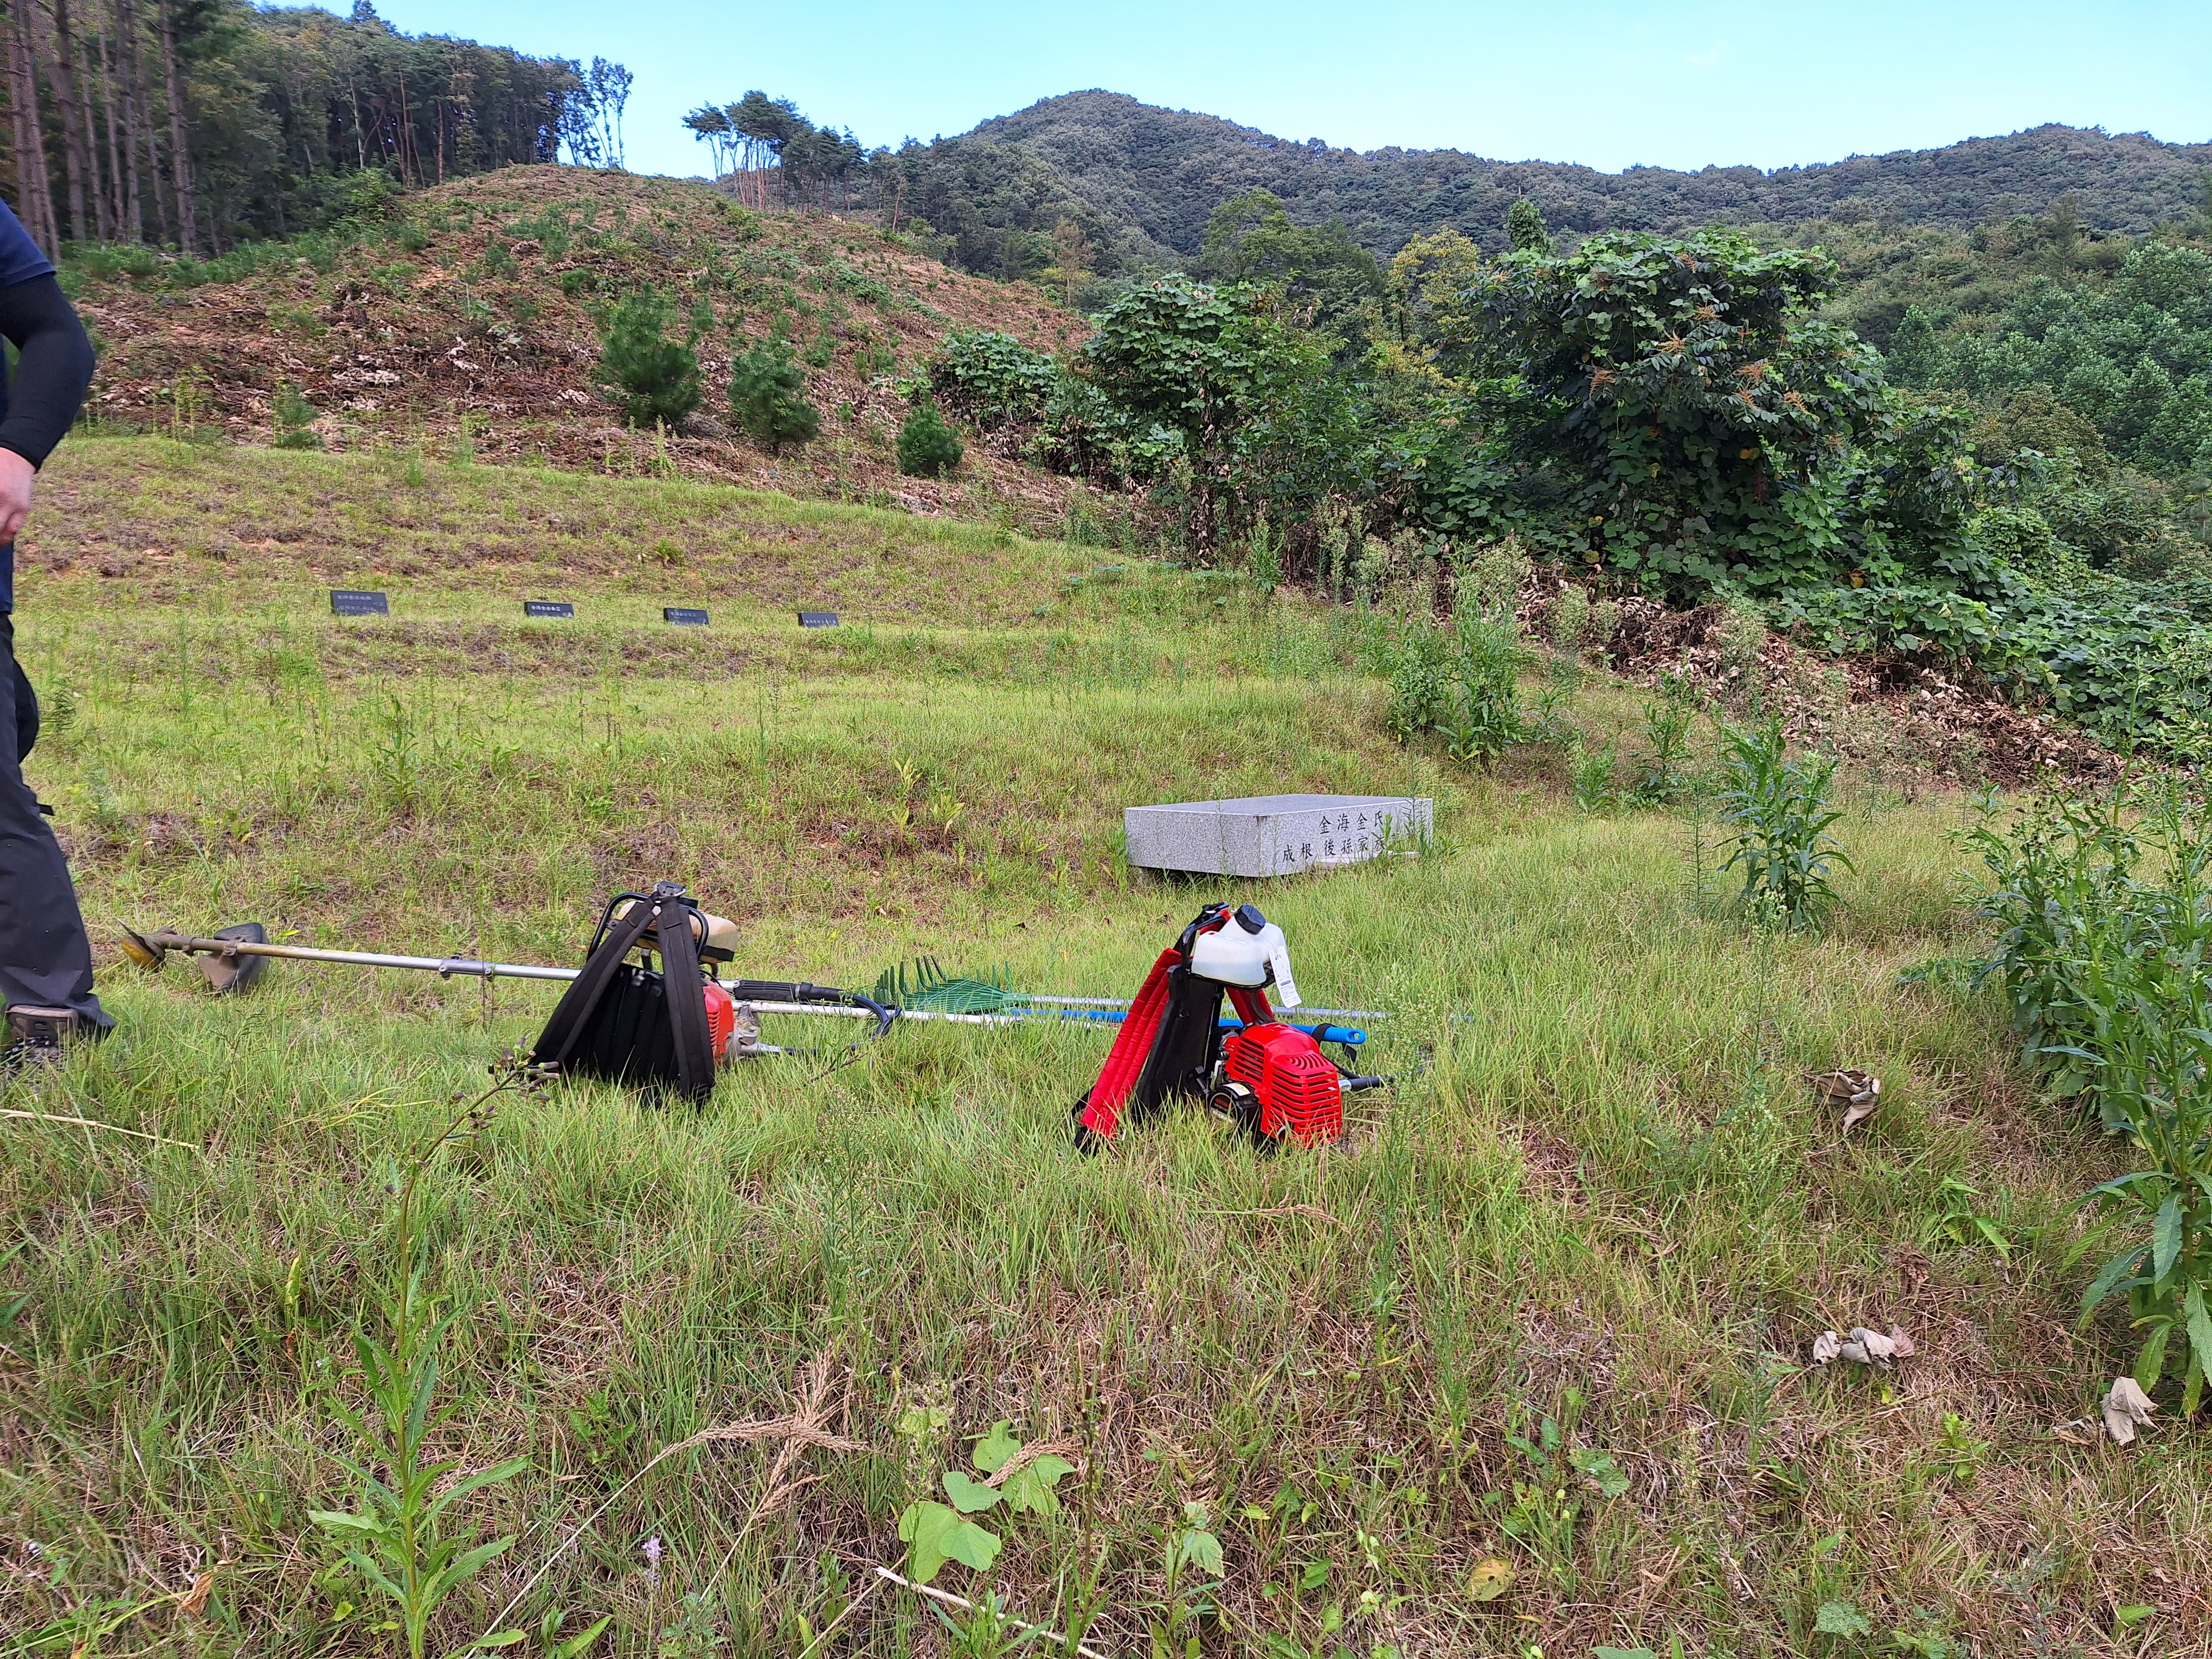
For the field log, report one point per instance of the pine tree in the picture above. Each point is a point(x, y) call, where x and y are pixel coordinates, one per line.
point(296, 418)
point(655, 379)
point(927, 448)
point(768, 395)
point(1525, 227)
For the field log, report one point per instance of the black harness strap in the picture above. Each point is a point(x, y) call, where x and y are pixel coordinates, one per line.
point(619, 1020)
point(686, 995)
point(565, 1030)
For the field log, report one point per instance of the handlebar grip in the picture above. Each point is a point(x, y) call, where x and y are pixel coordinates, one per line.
point(770, 990)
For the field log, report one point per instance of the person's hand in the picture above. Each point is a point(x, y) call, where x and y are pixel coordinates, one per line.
point(16, 476)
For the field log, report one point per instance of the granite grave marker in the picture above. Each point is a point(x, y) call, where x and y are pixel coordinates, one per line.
point(1276, 834)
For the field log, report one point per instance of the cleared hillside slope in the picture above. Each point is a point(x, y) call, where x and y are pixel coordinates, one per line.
point(470, 318)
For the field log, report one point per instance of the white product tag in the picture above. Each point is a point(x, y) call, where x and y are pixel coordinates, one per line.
point(1279, 959)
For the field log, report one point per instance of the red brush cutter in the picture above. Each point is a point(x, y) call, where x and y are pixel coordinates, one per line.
point(1269, 1080)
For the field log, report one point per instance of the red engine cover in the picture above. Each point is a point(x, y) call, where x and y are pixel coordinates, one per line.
point(1301, 1093)
point(721, 1021)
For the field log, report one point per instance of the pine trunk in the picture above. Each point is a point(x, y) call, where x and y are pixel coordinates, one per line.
point(180, 159)
point(409, 174)
point(80, 64)
point(34, 191)
point(116, 225)
point(61, 54)
point(134, 120)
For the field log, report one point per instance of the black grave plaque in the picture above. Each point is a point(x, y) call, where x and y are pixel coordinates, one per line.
point(349, 602)
point(682, 617)
point(818, 619)
point(548, 608)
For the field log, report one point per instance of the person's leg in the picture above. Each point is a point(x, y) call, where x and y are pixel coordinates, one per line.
point(45, 961)
point(26, 710)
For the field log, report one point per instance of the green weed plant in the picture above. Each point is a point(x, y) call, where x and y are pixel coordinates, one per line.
point(2103, 905)
point(399, 1540)
point(1460, 685)
point(1776, 805)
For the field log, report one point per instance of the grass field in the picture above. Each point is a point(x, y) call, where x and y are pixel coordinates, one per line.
point(1600, 1193)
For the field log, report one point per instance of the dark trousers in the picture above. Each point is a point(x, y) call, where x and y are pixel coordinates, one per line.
point(45, 958)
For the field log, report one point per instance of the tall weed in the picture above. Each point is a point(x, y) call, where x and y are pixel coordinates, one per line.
point(1667, 719)
point(399, 1540)
point(2104, 912)
point(1462, 684)
point(1778, 806)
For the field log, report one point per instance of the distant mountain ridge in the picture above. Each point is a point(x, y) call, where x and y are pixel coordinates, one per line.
point(1150, 176)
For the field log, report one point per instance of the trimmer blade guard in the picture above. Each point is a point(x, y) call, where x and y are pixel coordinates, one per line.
point(232, 975)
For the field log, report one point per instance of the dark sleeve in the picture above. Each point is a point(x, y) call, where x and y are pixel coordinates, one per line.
point(52, 372)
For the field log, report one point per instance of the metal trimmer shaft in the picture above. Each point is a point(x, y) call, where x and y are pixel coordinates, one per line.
point(165, 940)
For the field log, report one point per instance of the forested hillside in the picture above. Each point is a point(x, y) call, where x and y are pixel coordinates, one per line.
point(201, 124)
point(1151, 175)
point(2098, 346)
point(1955, 402)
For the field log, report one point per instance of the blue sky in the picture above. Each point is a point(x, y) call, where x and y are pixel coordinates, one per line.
point(1606, 83)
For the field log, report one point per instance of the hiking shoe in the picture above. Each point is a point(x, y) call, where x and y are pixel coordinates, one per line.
point(18, 1058)
point(31, 1027)
point(41, 1036)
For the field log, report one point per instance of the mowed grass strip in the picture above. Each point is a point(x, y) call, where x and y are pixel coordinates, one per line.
point(1600, 1189)
point(129, 521)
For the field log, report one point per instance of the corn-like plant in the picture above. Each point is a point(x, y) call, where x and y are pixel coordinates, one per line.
point(1667, 728)
point(2069, 913)
point(1590, 769)
point(1776, 803)
point(396, 1540)
point(2104, 909)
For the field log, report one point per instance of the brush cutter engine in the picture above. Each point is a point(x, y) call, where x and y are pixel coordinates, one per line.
point(1276, 1084)
point(1269, 1080)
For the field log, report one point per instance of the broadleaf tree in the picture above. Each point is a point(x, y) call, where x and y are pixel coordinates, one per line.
point(1247, 392)
point(1674, 410)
